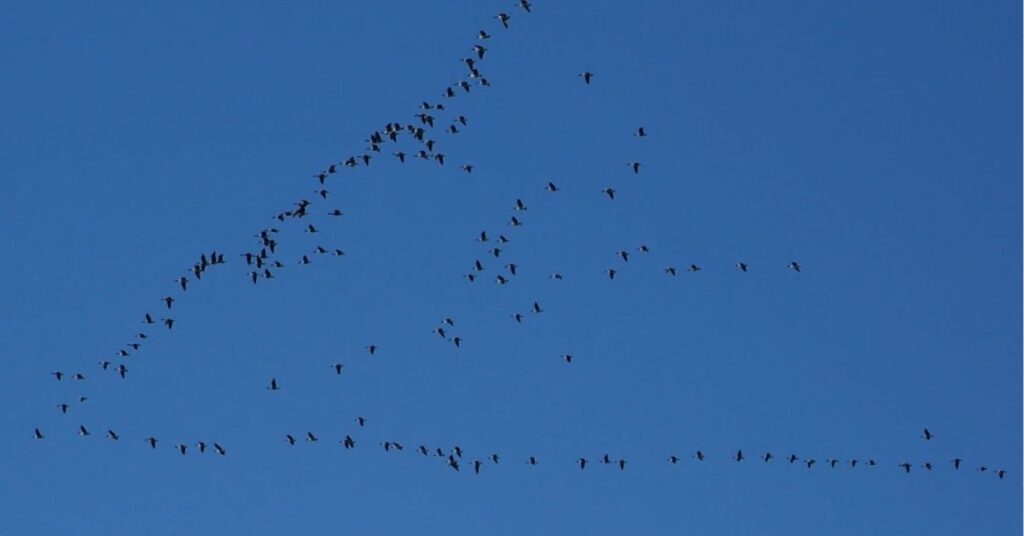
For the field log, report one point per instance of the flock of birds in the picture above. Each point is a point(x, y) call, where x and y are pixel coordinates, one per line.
point(414, 141)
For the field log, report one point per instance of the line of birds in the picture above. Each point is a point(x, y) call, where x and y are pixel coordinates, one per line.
point(454, 455)
point(263, 262)
point(182, 448)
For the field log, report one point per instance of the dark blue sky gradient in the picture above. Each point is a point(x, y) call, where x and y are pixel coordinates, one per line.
point(877, 143)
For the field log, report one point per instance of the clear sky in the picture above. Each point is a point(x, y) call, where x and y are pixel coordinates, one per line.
point(877, 143)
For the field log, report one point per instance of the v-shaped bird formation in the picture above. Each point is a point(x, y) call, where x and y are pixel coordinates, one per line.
point(420, 138)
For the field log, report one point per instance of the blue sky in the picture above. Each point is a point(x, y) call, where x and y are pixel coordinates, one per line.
point(878, 144)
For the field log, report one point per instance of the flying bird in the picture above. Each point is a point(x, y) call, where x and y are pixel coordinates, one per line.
point(587, 76)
